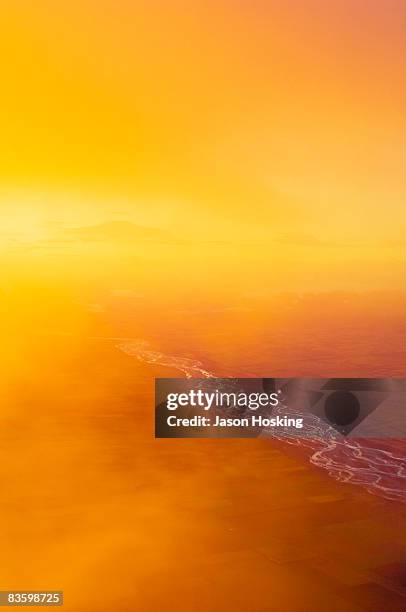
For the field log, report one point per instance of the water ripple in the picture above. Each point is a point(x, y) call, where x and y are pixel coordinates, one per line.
point(379, 471)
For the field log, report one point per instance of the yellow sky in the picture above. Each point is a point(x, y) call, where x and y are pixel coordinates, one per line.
point(265, 121)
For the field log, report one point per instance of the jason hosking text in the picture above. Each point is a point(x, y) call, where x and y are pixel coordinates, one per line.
point(207, 402)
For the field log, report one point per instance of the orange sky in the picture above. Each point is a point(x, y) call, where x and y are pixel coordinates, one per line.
point(279, 125)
